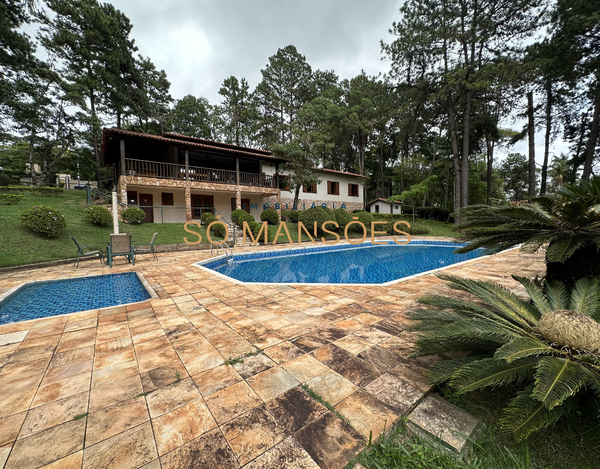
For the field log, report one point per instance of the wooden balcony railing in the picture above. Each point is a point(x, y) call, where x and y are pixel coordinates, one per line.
point(195, 173)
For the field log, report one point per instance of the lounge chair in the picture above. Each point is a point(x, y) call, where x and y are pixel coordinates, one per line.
point(120, 245)
point(83, 251)
point(142, 249)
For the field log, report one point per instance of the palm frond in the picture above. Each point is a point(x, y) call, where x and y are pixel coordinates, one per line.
point(592, 379)
point(557, 295)
point(492, 372)
point(525, 415)
point(556, 379)
point(442, 370)
point(584, 297)
point(563, 248)
point(524, 347)
point(535, 293)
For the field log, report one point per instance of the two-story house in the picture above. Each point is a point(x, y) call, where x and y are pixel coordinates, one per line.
point(175, 178)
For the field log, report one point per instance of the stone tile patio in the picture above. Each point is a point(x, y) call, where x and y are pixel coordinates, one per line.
point(146, 386)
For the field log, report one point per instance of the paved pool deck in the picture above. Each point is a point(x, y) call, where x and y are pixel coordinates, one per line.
point(146, 386)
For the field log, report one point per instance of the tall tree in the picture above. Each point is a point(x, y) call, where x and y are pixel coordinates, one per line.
point(153, 100)
point(237, 114)
point(192, 116)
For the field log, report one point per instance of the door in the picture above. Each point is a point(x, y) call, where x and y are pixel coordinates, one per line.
point(246, 205)
point(145, 201)
point(202, 203)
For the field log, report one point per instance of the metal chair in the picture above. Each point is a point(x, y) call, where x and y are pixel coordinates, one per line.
point(120, 245)
point(81, 252)
point(140, 249)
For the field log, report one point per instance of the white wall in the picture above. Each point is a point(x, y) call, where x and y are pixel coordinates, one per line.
point(384, 207)
point(169, 215)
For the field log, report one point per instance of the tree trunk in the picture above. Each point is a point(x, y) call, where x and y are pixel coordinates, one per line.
point(464, 176)
point(31, 155)
point(593, 139)
point(296, 197)
point(531, 132)
point(490, 164)
point(547, 137)
point(455, 157)
point(95, 140)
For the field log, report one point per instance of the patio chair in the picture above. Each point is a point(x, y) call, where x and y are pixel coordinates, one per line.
point(120, 245)
point(83, 251)
point(142, 249)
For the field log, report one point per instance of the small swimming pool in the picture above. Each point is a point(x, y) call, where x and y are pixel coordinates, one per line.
point(53, 297)
point(342, 264)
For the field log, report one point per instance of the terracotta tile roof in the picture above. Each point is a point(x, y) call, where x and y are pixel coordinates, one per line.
point(260, 154)
point(340, 172)
point(214, 143)
point(384, 200)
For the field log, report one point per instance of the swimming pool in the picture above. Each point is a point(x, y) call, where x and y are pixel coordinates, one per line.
point(53, 297)
point(341, 264)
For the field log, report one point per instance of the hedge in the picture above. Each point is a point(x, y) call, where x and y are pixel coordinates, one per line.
point(427, 213)
point(10, 199)
point(310, 216)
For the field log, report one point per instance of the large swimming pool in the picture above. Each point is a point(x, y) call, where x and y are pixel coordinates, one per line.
point(53, 297)
point(342, 264)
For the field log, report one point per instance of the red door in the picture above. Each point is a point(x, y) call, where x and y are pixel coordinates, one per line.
point(246, 205)
point(145, 201)
point(202, 203)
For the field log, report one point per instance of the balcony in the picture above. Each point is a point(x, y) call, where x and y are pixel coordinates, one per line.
point(158, 170)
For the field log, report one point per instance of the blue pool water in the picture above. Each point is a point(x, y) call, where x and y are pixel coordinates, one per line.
point(364, 263)
point(50, 298)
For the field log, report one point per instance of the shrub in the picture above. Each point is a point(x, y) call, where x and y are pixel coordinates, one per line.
point(235, 214)
point(291, 215)
point(217, 229)
point(207, 217)
point(342, 217)
point(49, 191)
point(133, 215)
point(547, 345)
point(10, 199)
point(310, 216)
point(270, 216)
point(43, 219)
point(415, 228)
point(5, 179)
point(364, 217)
point(256, 230)
point(98, 215)
point(245, 217)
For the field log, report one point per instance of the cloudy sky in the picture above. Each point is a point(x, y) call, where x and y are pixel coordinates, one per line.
point(200, 43)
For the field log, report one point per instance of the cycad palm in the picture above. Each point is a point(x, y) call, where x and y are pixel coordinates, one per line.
point(567, 224)
point(504, 344)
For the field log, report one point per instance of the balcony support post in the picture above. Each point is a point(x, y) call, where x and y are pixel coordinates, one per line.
point(188, 203)
point(276, 175)
point(122, 149)
point(237, 171)
point(187, 165)
point(238, 200)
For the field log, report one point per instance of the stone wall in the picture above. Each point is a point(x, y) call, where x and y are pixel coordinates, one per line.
point(288, 203)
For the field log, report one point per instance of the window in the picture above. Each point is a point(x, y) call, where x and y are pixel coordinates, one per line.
point(132, 198)
point(333, 188)
point(284, 182)
point(167, 198)
point(312, 188)
point(353, 190)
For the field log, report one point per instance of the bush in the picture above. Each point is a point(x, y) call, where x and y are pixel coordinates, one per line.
point(43, 219)
point(218, 229)
point(15, 189)
point(415, 229)
point(318, 214)
point(291, 215)
point(364, 217)
point(49, 191)
point(10, 199)
point(245, 217)
point(5, 179)
point(235, 214)
point(270, 216)
point(428, 213)
point(342, 217)
point(207, 217)
point(133, 215)
point(98, 215)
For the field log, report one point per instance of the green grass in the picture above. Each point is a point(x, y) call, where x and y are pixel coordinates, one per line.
point(240, 359)
point(558, 447)
point(319, 398)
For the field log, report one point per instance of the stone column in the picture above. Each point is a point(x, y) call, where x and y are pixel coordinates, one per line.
point(238, 200)
point(188, 204)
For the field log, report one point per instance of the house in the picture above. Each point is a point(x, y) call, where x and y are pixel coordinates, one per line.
point(175, 178)
point(383, 206)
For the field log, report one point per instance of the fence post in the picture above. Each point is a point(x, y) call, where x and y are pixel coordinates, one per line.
point(89, 195)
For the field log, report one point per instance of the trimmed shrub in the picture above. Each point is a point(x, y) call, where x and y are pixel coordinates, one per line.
point(291, 215)
point(43, 219)
point(342, 217)
point(49, 191)
point(235, 214)
point(15, 189)
point(133, 215)
point(10, 199)
point(207, 217)
point(245, 217)
point(364, 217)
point(217, 229)
point(416, 229)
point(270, 216)
point(98, 215)
point(310, 216)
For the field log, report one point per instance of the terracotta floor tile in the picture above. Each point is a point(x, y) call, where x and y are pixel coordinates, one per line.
point(171, 397)
point(48, 446)
point(210, 451)
point(283, 352)
point(14, 403)
point(216, 378)
point(304, 367)
point(253, 365)
point(353, 344)
point(115, 392)
point(330, 442)
point(10, 427)
point(130, 449)
point(271, 383)
point(61, 389)
point(52, 414)
point(233, 401)
point(73, 461)
point(358, 371)
point(367, 414)
point(112, 345)
point(294, 409)
point(66, 371)
point(118, 418)
point(77, 339)
point(176, 428)
point(331, 386)
point(253, 433)
point(287, 454)
point(149, 361)
point(114, 372)
point(81, 324)
point(114, 357)
point(163, 376)
point(71, 356)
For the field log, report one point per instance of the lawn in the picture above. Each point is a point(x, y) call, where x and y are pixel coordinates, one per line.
point(21, 246)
